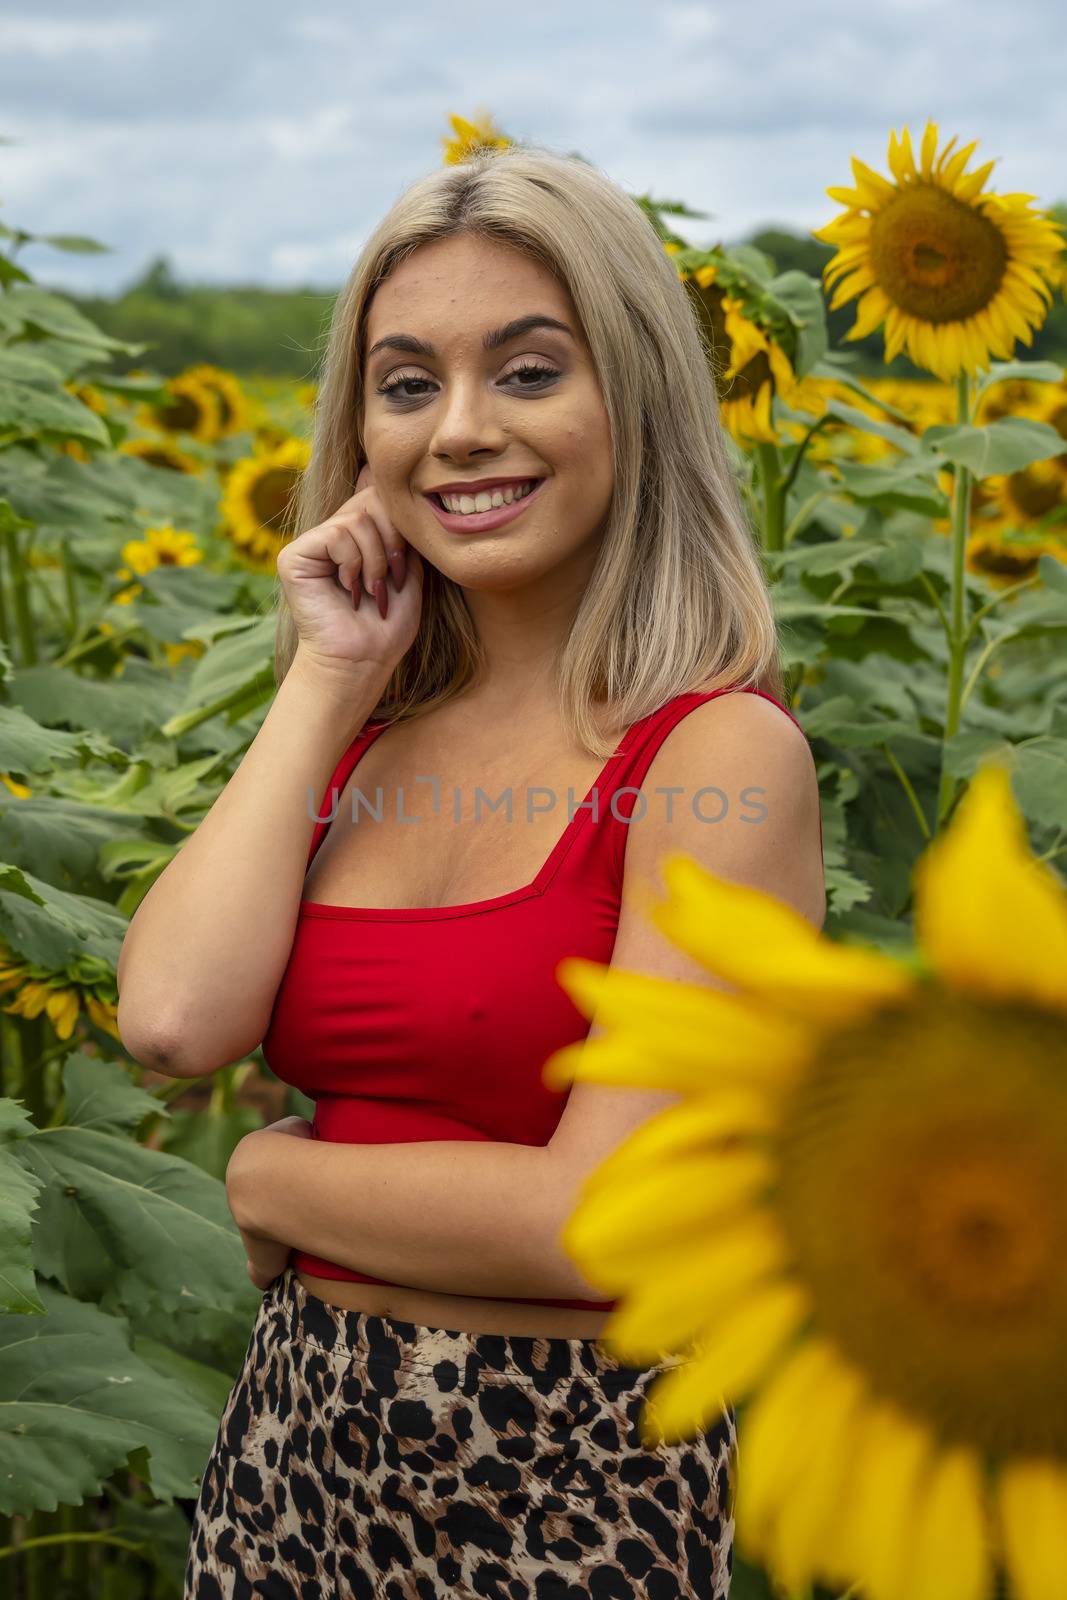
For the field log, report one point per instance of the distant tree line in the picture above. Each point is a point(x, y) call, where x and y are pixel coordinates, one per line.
point(263, 332)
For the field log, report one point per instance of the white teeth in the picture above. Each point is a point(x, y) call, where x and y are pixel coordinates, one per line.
point(464, 504)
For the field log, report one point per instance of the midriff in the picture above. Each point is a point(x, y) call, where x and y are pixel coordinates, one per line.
point(459, 1312)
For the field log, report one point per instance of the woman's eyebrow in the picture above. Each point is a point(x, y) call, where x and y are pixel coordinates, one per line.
point(490, 341)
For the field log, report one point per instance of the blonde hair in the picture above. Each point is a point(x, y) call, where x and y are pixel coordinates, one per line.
point(677, 599)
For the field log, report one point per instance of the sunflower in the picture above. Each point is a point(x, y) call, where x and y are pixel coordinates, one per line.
point(161, 547)
point(234, 409)
point(1026, 498)
point(192, 407)
point(19, 790)
point(954, 274)
point(750, 365)
point(471, 138)
point(1012, 397)
point(162, 453)
point(258, 498)
point(854, 1220)
point(993, 554)
point(55, 995)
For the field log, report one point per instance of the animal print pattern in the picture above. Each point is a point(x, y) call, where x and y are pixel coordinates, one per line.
point(366, 1457)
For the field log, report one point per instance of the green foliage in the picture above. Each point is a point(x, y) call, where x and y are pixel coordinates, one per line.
point(124, 1305)
point(246, 329)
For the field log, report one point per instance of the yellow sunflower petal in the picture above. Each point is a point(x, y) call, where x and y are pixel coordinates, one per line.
point(901, 160)
point(929, 149)
point(990, 917)
point(676, 1021)
point(670, 1300)
point(873, 1538)
point(796, 1547)
point(951, 1557)
point(762, 945)
point(1032, 1503)
point(727, 1363)
point(62, 1010)
point(772, 1448)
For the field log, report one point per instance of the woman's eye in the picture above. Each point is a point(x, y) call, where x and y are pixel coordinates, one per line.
point(534, 372)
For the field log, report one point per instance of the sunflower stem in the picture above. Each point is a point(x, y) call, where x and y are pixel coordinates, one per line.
point(909, 791)
point(69, 584)
point(20, 598)
point(998, 599)
point(957, 636)
point(770, 465)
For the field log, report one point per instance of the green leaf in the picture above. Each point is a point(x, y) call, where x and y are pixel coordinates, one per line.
point(126, 710)
point(904, 441)
point(27, 747)
point(52, 929)
point(1030, 371)
point(77, 1401)
point(62, 838)
point(803, 300)
point(909, 484)
point(210, 1387)
point(101, 1095)
point(166, 1225)
point(209, 1138)
point(30, 310)
point(26, 411)
point(1007, 445)
point(1053, 573)
point(18, 1202)
point(75, 244)
point(1039, 780)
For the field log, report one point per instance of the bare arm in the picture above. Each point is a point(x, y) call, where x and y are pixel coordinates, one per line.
point(207, 947)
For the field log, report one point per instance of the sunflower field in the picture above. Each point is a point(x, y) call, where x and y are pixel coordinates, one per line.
point(855, 1220)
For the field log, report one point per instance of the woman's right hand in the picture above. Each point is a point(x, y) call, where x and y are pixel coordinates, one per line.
point(329, 573)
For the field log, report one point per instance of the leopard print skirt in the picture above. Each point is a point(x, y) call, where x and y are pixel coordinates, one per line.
point(363, 1456)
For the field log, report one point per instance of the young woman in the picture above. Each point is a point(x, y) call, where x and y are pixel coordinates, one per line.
point(424, 1406)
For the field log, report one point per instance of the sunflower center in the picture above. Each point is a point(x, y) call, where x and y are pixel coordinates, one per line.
point(1007, 561)
point(180, 414)
point(921, 1192)
point(271, 494)
point(935, 257)
point(1035, 493)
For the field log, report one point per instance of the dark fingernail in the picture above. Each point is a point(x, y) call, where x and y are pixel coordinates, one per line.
point(398, 567)
point(380, 595)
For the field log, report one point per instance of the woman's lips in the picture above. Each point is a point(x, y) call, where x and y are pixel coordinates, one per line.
point(476, 521)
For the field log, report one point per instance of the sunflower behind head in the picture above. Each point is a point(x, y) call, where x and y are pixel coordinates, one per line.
point(750, 365)
point(954, 274)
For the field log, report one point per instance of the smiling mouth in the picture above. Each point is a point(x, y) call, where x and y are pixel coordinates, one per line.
point(530, 486)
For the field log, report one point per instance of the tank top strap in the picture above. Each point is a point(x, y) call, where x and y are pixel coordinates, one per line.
point(327, 809)
point(643, 742)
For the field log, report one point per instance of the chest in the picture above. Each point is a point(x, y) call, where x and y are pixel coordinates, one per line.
point(413, 830)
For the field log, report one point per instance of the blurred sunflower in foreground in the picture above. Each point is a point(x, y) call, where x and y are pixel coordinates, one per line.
point(854, 1221)
point(955, 275)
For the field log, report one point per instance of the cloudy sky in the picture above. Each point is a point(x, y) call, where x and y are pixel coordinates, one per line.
point(260, 142)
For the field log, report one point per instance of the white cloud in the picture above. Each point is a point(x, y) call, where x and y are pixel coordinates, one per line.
point(33, 36)
point(252, 142)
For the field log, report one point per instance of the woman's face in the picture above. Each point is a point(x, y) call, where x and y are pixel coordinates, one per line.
point(468, 414)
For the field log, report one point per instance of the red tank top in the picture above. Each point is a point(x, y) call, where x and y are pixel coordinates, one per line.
point(459, 1055)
